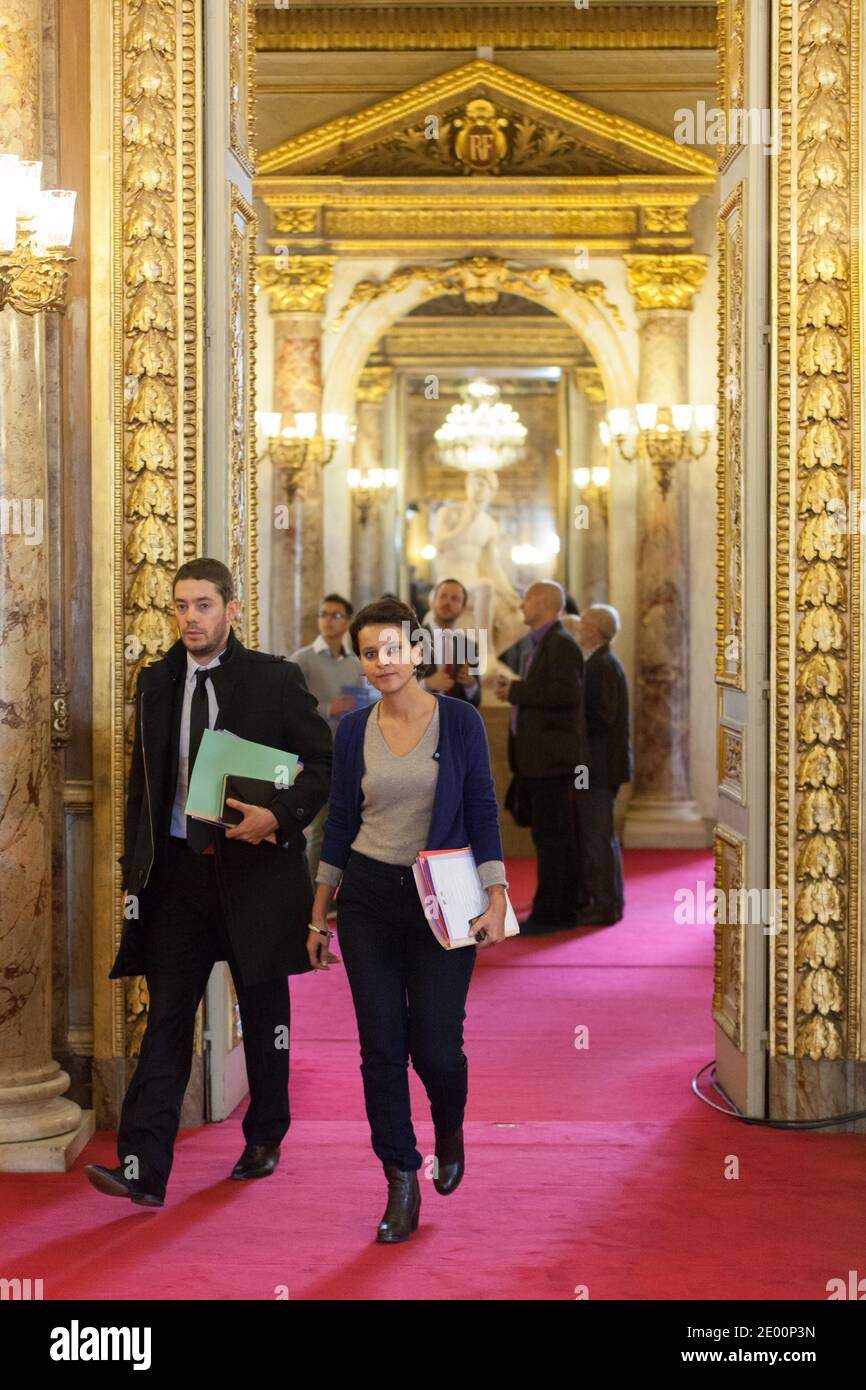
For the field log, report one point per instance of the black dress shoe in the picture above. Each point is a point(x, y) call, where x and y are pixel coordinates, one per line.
point(114, 1183)
point(256, 1161)
point(404, 1205)
point(449, 1161)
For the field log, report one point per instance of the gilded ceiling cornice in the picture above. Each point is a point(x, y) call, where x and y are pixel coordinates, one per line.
point(451, 28)
point(598, 129)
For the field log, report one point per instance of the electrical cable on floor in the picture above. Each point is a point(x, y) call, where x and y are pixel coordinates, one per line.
point(731, 1109)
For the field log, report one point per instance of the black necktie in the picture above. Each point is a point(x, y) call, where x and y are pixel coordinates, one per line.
point(198, 833)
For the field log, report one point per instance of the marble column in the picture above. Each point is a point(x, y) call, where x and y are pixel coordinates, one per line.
point(368, 540)
point(39, 1128)
point(661, 811)
point(297, 286)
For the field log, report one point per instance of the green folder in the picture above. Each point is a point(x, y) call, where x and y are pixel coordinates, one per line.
point(221, 753)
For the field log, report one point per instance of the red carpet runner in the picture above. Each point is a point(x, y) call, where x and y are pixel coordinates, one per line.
point(594, 1167)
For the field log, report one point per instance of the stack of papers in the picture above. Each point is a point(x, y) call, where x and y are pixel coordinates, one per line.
point(452, 896)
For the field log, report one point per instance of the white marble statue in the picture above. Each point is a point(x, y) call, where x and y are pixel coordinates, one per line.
point(466, 539)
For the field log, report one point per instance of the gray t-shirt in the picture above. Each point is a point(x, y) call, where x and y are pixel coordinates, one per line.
point(398, 795)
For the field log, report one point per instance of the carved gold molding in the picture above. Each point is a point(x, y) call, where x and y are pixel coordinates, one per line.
point(442, 28)
point(816, 704)
point(731, 72)
point(729, 851)
point(241, 16)
point(610, 136)
point(147, 306)
point(480, 279)
point(665, 282)
point(243, 536)
point(296, 284)
point(730, 645)
point(374, 384)
point(731, 761)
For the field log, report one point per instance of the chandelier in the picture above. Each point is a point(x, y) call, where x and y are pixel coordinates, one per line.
point(481, 432)
point(35, 231)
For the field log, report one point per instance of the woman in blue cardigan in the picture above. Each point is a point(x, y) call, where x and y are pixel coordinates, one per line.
point(410, 772)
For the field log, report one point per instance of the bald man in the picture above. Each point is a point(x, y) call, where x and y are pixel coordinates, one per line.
point(546, 745)
point(609, 764)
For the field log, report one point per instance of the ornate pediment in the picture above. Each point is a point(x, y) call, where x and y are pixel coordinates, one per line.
point(482, 120)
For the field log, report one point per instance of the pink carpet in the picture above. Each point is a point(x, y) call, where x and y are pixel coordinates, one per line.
point(593, 1168)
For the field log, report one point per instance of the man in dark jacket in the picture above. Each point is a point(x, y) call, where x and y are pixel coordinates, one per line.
point(457, 651)
point(196, 893)
point(546, 747)
point(609, 765)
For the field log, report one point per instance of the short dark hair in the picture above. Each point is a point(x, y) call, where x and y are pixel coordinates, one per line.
point(338, 598)
point(440, 582)
point(206, 568)
point(393, 612)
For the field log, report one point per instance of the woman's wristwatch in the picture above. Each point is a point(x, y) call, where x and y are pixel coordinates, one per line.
point(319, 931)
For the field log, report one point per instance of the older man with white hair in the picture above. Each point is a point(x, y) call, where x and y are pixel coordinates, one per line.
point(609, 764)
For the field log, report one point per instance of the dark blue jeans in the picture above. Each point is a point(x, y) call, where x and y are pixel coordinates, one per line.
point(410, 1001)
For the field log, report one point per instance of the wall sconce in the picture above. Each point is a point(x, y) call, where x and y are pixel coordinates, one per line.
point(35, 230)
point(368, 488)
point(302, 443)
point(663, 434)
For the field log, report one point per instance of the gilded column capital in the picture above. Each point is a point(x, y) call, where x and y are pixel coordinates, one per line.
point(296, 284)
point(588, 380)
point(665, 282)
point(374, 385)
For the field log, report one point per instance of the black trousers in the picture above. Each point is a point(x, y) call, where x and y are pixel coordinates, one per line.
point(185, 934)
point(410, 1001)
point(555, 832)
point(600, 851)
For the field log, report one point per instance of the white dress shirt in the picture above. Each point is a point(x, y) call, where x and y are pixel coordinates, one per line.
point(178, 810)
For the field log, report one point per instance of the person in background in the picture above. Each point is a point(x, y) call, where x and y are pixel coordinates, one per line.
point(329, 665)
point(546, 745)
point(609, 764)
point(410, 773)
point(453, 677)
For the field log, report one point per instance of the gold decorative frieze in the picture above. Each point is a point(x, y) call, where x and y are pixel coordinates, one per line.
point(374, 384)
point(665, 282)
point(664, 218)
point(295, 220)
point(460, 27)
point(243, 539)
point(241, 16)
point(728, 955)
point(480, 280)
point(816, 704)
point(296, 284)
point(527, 223)
point(623, 145)
point(730, 646)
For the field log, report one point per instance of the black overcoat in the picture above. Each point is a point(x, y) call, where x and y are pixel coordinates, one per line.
point(265, 889)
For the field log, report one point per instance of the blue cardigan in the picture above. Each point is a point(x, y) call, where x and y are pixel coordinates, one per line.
point(465, 810)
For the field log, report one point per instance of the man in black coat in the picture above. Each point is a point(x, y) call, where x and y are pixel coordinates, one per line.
point(609, 765)
point(196, 893)
point(546, 748)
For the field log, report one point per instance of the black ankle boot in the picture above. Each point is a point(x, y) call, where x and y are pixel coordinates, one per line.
point(449, 1161)
point(404, 1204)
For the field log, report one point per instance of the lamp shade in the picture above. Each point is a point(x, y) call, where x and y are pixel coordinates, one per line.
point(55, 214)
point(28, 186)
